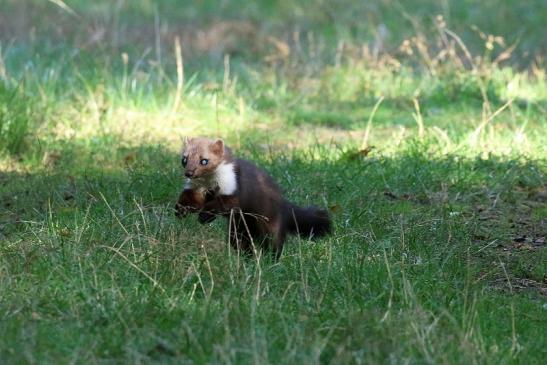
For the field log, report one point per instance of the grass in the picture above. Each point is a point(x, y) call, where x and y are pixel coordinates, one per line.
point(15, 117)
point(438, 253)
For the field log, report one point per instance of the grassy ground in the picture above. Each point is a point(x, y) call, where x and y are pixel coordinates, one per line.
point(423, 136)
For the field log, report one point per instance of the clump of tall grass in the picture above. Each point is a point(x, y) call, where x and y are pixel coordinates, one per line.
point(16, 118)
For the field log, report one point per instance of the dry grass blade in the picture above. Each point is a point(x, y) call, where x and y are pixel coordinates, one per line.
point(473, 65)
point(483, 124)
point(515, 347)
point(369, 123)
point(133, 265)
point(65, 7)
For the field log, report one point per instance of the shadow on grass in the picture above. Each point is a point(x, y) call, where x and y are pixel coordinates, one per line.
point(92, 238)
point(502, 198)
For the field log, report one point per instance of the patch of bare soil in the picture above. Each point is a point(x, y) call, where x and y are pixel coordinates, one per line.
point(512, 233)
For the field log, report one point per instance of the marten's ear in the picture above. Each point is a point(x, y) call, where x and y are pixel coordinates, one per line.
point(217, 147)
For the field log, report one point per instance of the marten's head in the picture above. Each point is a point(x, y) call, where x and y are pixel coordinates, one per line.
point(202, 156)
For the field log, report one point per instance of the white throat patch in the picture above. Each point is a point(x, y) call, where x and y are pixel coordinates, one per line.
point(224, 179)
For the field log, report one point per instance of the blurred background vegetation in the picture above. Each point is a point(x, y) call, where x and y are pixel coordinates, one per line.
point(264, 64)
point(383, 24)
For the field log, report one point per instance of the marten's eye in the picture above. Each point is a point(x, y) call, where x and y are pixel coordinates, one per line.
point(184, 161)
point(204, 161)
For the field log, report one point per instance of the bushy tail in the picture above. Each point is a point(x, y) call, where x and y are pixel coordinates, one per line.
point(310, 222)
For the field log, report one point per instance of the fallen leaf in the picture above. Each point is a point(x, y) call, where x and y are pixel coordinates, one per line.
point(335, 208)
point(130, 158)
point(51, 158)
point(366, 151)
point(352, 155)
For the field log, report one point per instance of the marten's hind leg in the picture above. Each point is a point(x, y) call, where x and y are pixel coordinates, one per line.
point(274, 234)
point(278, 236)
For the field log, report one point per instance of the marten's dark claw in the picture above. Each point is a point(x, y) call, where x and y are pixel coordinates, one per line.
point(206, 217)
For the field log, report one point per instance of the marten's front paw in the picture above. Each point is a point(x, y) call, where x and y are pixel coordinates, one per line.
point(189, 201)
point(182, 211)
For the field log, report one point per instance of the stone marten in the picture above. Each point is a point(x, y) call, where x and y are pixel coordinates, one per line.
point(219, 184)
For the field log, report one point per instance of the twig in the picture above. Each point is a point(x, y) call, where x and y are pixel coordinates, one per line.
point(418, 118)
point(180, 74)
point(226, 78)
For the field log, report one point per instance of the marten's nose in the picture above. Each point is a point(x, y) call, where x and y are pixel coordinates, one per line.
point(189, 173)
